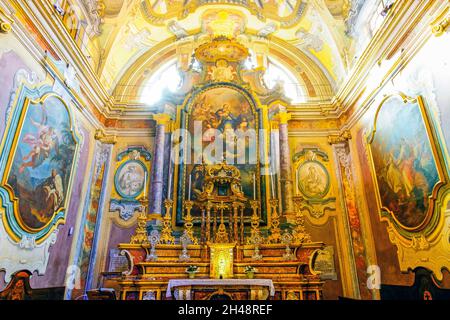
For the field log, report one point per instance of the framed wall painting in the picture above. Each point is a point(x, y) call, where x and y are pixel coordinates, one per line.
point(37, 160)
point(313, 180)
point(407, 164)
point(237, 110)
point(130, 182)
point(130, 179)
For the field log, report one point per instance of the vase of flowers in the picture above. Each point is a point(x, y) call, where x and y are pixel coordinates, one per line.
point(191, 271)
point(250, 272)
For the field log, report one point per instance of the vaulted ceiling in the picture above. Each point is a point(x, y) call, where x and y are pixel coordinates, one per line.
point(132, 28)
point(133, 38)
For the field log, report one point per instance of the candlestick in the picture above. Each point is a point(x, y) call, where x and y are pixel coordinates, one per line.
point(166, 234)
point(275, 231)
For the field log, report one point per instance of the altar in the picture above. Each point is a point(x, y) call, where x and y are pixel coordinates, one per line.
point(221, 221)
point(195, 289)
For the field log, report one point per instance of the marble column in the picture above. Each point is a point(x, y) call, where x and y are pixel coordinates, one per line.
point(156, 189)
point(285, 164)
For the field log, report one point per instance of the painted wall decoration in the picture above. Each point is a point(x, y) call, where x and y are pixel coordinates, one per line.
point(131, 181)
point(405, 161)
point(37, 160)
point(85, 257)
point(286, 12)
point(312, 181)
point(358, 250)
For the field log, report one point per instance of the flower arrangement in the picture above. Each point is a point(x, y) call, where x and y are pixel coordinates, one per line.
point(250, 271)
point(192, 269)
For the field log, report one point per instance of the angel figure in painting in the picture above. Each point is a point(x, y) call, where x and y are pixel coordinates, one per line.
point(42, 143)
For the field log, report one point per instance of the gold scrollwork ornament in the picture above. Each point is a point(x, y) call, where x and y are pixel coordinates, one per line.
point(5, 23)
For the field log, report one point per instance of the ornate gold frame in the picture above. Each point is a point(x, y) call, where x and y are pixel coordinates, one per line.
point(3, 183)
point(262, 116)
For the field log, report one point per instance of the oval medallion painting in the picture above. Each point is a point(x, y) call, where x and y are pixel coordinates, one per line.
point(41, 169)
point(130, 178)
point(313, 180)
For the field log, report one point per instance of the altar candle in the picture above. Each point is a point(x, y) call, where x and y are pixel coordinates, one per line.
point(145, 184)
point(254, 186)
point(273, 186)
point(169, 189)
point(189, 190)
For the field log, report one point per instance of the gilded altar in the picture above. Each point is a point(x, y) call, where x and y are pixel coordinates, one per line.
point(228, 222)
point(223, 249)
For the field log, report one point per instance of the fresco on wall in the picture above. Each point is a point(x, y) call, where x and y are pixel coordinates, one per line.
point(405, 168)
point(41, 168)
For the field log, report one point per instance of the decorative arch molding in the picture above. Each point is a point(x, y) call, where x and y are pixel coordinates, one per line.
point(131, 79)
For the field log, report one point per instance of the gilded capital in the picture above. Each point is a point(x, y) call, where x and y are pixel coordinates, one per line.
point(162, 119)
point(104, 138)
point(283, 117)
point(342, 137)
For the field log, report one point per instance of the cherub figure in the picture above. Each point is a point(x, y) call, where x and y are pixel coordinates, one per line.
point(42, 143)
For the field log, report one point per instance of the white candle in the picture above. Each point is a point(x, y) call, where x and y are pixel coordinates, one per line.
point(254, 186)
point(273, 186)
point(145, 184)
point(169, 189)
point(189, 190)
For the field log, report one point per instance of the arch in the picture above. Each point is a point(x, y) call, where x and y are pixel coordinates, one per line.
point(309, 73)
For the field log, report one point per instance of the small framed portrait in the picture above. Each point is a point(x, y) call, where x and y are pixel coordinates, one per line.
point(130, 179)
point(313, 179)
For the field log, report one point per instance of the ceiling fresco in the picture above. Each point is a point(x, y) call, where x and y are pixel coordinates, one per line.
point(130, 29)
